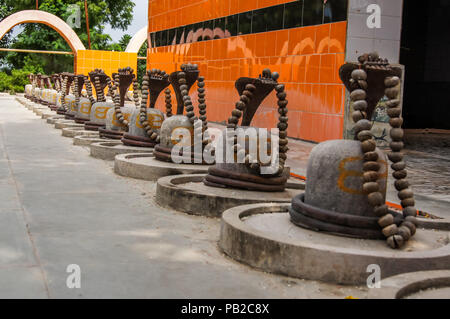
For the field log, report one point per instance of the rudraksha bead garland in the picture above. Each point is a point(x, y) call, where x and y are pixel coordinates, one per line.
point(405, 193)
point(110, 93)
point(396, 237)
point(199, 130)
point(76, 88)
point(233, 121)
point(202, 101)
point(136, 100)
point(63, 93)
point(98, 89)
point(143, 110)
point(282, 126)
point(236, 114)
point(116, 99)
point(89, 91)
point(143, 116)
point(168, 101)
point(72, 87)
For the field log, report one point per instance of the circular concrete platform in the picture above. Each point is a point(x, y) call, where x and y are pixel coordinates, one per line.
point(188, 194)
point(40, 111)
point(60, 124)
point(78, 131)
point(52, 120)
point(262, 236)
point(439, 224)
point(87, 141)
point(144, 166)
point(109, 150)
point(433, 284)
point(47, 114)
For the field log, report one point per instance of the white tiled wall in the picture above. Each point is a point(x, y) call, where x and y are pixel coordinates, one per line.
point(386, 40)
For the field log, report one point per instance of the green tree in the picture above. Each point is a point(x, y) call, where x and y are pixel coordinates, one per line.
point(118, 13)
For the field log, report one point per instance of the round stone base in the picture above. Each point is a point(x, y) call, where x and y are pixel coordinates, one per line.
point(188, 194)
point(414, 285)
point(146, 167)
point(53, 119)
point(47, 114)
point(40, 111)
point(440, 224)
point(78, 131)
point(36, 108)
point(67, 123)
point(87, 141)
point(263, 237)
point(108, 150)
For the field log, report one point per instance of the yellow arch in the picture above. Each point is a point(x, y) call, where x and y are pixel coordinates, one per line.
point(37, 16)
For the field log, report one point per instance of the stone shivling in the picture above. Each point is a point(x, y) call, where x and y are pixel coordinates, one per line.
point(97, 116)
point(247, 173)
point(182, 81)
point(145, 122)
point(118, 116)
point(354, 204)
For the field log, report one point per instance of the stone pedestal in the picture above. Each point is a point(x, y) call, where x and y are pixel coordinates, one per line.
point(263, 237)
point(188, 194)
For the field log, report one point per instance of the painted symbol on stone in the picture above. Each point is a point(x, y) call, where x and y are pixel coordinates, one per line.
point(345, 173)
point(116, 122)
point(85, 108)
point(100, 112)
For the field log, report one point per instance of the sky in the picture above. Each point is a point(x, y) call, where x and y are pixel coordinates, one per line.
point(140, 20)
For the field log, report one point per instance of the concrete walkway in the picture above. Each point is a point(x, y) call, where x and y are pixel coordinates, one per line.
point(59, 206)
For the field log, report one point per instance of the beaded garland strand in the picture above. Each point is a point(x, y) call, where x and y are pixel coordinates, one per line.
point(282, 125)
point(199, 130)
point(143, 116)
point(396, 236)
point(116, 94)
point(168, 101)
point(116, 99)
point(63, 94)
point(89, 91)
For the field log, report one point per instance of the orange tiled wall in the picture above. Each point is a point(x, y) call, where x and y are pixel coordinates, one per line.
point(88, 60)
point(166, 14)
point(307, 58)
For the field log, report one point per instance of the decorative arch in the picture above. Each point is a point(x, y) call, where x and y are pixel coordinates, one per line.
point(137, 41)
point(37, 16)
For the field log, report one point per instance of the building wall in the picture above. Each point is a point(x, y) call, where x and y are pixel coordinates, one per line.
point(108, 61)
point(307, 55)
point(385, 40)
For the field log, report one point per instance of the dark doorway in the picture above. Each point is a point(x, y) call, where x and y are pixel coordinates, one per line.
point(425, 52)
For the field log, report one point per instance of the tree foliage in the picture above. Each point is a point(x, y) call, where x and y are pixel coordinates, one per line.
point(117, 13)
